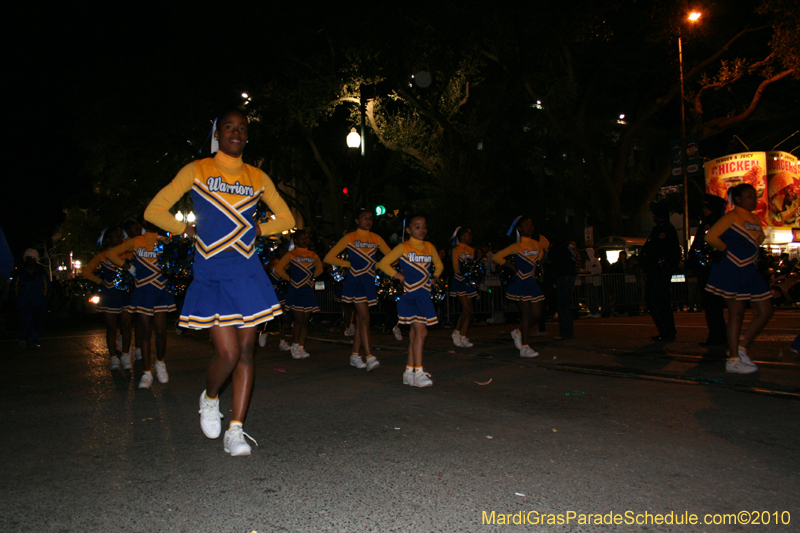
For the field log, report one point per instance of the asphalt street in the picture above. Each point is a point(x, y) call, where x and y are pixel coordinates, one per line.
point(602, 427)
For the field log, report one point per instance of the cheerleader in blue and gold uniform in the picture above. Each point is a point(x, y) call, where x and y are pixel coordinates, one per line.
point(415, 307)
point(230, 293)
point(114, 303)
point(150, 301)
point(304, 265)
point(735, 278)
point(359, 285)
point(459, 288)
point(523, 289)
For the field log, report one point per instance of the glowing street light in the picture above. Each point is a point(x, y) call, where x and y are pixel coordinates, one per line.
point(353, 139)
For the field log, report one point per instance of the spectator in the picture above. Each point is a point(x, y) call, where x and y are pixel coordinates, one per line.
point(661, 256)
point(31, 289)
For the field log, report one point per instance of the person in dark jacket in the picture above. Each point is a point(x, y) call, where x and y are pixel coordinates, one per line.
point(563, 256)
point(661, 256)
point(701, 263)
point(31, 289)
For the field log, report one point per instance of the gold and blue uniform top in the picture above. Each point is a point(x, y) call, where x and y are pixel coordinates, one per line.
point(224, 192)
point(304, 265)
point(461, 253)
point(415, 258)
point(145, 259)
point(362, 248)
point(739, 233)
point(101, 270)
point(526, 253)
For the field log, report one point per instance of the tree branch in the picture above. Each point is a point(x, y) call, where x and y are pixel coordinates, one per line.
point(718, 124)
point(430, 164)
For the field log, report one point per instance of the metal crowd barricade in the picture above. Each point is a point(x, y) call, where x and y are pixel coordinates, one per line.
point(606, 293)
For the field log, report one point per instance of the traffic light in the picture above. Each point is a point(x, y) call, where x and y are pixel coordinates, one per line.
point(380, 210)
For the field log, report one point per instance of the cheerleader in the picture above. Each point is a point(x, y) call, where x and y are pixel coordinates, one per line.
point(735, 278)
point(523, 288)
point(113, 303)
point(276, 286)
point(150, 301)
point(230, 294)
point(304, 265)
point(415, 307)
point(459, 288)
point(359, 286)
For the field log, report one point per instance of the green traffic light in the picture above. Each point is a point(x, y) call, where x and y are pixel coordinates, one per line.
point(380, 210)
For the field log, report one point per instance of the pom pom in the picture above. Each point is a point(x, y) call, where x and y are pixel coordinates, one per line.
point(473, 272)
point(265, 248)
point(124, 280)
point(175, 259)
point(339, 273)
point(388, 287)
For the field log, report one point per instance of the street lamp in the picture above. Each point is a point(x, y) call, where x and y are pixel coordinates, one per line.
point(353, 139)
point(694, 16)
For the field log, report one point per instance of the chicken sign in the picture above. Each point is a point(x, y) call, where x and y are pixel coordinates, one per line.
point(731, 170)
point(783, 176)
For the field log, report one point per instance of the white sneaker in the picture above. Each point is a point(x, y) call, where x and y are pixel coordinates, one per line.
point(210, 417)
point(234, 442)
point(298, 352)
point(456, 336)
point(349, 332)
point(741, 364)
point(284, 346)
point(745, 358)
point(422, 379)
point(262, 339)
point(356, 361)
point(138, 354)
point(372, 363)
point(408, 377)
point(736, 365)
point(146, 381)
point(125, 359)
point(465, 342)
point(397, 333)
point(161, 371)
point(527, 351)
point(114, 363)
point(517, 336)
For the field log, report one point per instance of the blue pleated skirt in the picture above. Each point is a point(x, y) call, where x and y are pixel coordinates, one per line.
point(149, 299)
point(360, 289)
point(742, 283)
point(524, 290)
point(416, 306)
point(301, 299)
point(113, 301)
point(229, 290)
point(462, 288)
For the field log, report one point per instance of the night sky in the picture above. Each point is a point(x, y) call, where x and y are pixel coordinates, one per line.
point(75, 73)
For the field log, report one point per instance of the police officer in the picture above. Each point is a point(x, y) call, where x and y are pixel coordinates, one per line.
point(661, 257)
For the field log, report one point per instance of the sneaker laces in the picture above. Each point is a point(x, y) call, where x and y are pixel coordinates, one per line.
point(237, 430)
point(211, 411)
